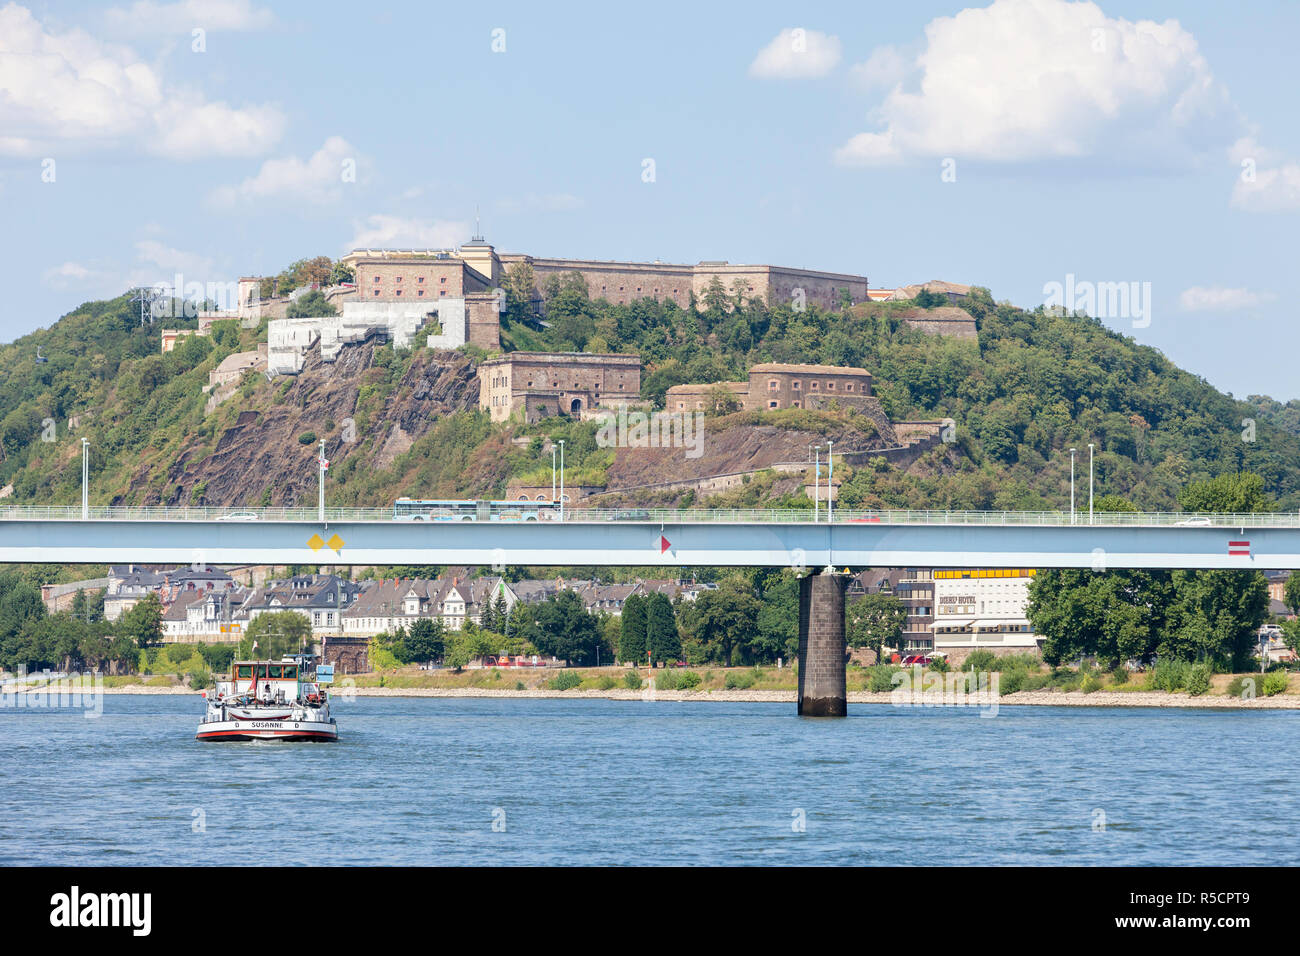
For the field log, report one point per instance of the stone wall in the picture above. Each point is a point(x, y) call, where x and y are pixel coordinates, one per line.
point(823, 690)
point(946, 320)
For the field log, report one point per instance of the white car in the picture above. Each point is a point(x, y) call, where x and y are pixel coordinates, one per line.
point(1194, 523)
point(239, 516)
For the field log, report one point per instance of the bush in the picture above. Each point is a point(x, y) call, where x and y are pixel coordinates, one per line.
point(307, 438)
point(1119, 675)
point(1198, 679)
point(739, 681)
point(1169, 675)
point(1274, 683)
point(980, 660)
point(632, 680)
point(1011, 681)
point(200, 679)
point(667, 680)
point(687, 680)
point(880, 679)
point(1031, 681)
point(939, 664)
point(519, 685)
point(1091, 684)
point(606, 682)
point(565, 680)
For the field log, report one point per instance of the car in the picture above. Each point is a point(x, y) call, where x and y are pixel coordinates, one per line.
point(869, 518)
point(1194, 523)
point(636, 515)
point(239, 516)
point(911, 659)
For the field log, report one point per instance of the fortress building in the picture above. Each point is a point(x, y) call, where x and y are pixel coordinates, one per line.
point(540, 384)
point(778, 385)
point(476, 267)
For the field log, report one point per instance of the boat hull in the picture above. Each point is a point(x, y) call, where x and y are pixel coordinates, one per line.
point(288, 730)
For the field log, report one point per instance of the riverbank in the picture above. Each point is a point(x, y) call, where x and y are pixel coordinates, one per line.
point(1146, 698)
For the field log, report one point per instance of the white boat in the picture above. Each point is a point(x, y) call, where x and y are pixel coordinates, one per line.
point(269, 700)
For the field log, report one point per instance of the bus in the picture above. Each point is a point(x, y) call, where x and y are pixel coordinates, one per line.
point(473, 509)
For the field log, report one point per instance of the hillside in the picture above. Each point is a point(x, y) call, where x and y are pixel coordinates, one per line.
point(406, 422)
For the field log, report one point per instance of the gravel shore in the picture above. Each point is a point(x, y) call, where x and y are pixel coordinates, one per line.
point(1037, 698)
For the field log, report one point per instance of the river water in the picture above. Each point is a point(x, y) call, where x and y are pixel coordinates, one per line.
point(490, 781)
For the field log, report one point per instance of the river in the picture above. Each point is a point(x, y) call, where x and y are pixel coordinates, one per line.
point(489, 781)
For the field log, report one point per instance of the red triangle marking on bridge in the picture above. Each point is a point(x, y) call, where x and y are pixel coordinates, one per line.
point(663, 544)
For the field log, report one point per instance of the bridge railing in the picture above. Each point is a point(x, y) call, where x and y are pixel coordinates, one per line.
point(674, 516)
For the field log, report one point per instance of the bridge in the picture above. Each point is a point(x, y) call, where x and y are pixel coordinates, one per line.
point(668, 539)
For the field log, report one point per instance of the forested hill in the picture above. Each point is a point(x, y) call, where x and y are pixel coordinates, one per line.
point(1033, 386)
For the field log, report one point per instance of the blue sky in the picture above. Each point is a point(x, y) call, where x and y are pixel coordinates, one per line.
point(1009, 145)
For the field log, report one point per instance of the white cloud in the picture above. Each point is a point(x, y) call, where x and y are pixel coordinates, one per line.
point(173, 260)
point(381, 232)
point(796, 53)
point(69, 91)
point(1268, 190)
point(317, 180)
point(1221, 299)
point(886, 67)
point(146, 16)
point(1029, 80)
point(71, 274)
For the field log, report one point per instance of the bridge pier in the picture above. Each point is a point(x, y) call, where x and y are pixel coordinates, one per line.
point(823, 690)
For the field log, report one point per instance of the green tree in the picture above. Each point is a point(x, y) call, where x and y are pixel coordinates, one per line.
point(310, 305)
point(276, 634)
point(631, 637)
point(1240, 493)
point(661, 635)
point(426, 640)
point(143, 623)
point(726, 618)
point(1291, 592)
point(875, 621)
point(563, 628)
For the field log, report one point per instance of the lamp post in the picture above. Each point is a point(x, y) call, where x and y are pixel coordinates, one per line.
point(1072, 451)
point(85, 478)
point(817, 483)
point(561, 479)
point(552, 471)
point(830, 482)
point(1091, 446)
point(321, 465)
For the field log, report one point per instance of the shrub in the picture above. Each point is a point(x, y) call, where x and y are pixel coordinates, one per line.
point(1198, 679)
point(1119, 675)
point(1030, 681)
point(1091, 684)
point(200, 679)
point(880, 679)
point(1011, 681)
point(1244, 687)
point(687, 680)
point(519, 685)
point(307, 438)
point(739, 681)
point(980, 660)
point(632, 680)
point(938, 664)
point(667, 680)
point(1169, 675)
point(606, 682)
point(1274, 683)
point(565, 680)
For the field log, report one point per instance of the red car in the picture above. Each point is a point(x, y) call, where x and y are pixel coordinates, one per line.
point(911, 659)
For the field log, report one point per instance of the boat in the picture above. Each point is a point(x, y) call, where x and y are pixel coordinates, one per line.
point(270, 700)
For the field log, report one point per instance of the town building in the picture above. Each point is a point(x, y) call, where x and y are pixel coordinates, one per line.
point(536, 385)
point(210, 616)
point(321, 598)
point(914, 587)
point(982, 609)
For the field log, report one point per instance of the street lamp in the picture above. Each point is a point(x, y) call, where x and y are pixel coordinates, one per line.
point(1091, 446)
point(830, 482)
point(85, 478)
point(1072, 451)
point(817, 483)
point(322, 465)
point(561, 479)
point(552, 471)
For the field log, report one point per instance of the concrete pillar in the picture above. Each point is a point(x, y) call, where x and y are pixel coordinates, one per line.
point(823, 691)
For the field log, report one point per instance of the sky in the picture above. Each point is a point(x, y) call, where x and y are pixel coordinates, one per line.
point(1050, 151)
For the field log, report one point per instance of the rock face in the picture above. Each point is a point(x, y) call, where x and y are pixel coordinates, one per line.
point(263, 449)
